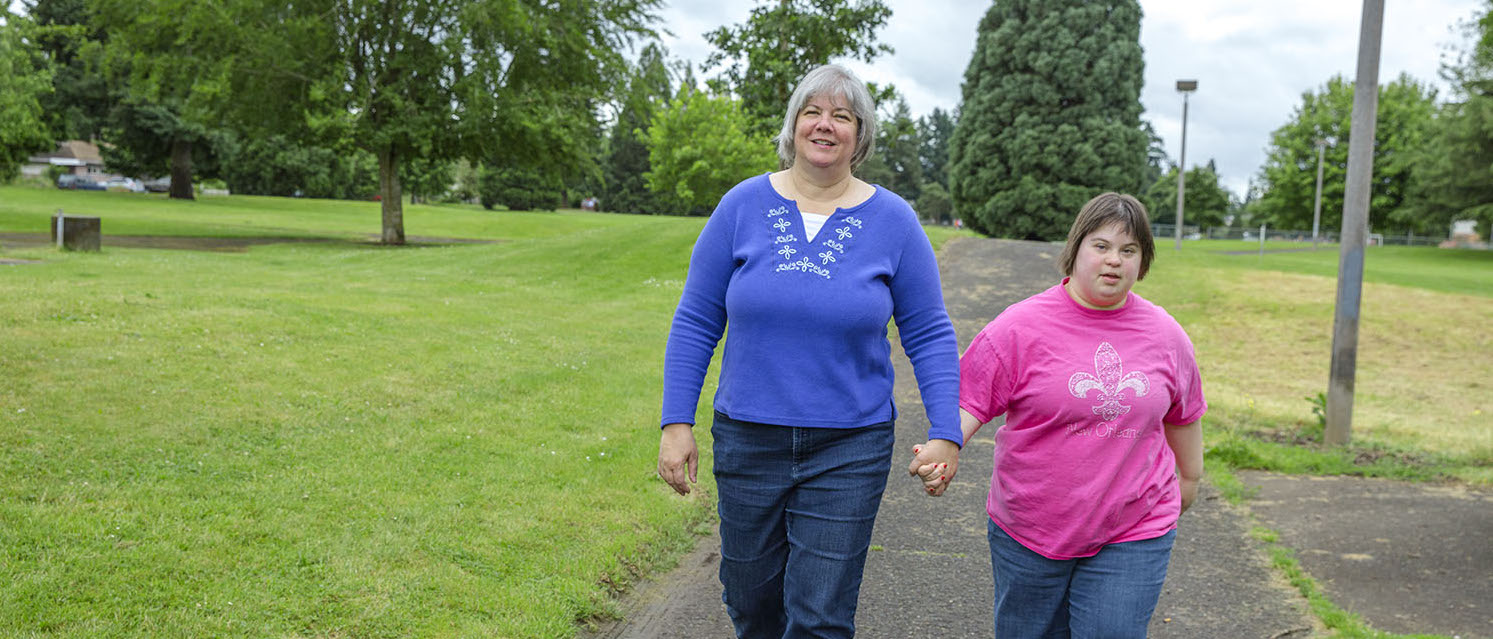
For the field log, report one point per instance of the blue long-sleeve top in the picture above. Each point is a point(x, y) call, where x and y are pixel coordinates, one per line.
point(808, 340)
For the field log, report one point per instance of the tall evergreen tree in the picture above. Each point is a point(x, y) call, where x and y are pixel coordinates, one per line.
point(764, 58)
point(627, 153)
point(1050, 115)
point(895, 164)
point(936, 129)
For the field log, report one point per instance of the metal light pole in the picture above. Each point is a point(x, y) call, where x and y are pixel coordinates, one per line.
point(1184, 87)
point(1317, 208)
point(1355, 228)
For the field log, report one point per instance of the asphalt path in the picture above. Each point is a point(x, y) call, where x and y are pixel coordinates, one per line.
point(1404, 557)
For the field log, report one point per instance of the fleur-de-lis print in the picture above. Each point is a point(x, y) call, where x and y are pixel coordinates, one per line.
point(787, 252)
point(826, 257)
point(843, 232)
point(1109, 379)
point(782, 225)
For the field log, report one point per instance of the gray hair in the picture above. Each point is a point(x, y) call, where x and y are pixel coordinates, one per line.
point(831, 80)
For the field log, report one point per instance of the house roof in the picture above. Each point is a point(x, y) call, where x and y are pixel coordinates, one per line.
point(72, 153)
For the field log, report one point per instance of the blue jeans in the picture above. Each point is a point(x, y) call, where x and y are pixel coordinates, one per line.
point(796, 506)
point(1110, 595)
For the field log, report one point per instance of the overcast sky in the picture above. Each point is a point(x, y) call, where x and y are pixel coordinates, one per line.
point(1252, 59)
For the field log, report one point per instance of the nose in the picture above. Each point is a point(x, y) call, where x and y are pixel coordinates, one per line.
point(1112, 257)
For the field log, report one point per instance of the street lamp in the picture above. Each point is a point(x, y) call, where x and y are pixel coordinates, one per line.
point(1317, 208)
point(1184, 87)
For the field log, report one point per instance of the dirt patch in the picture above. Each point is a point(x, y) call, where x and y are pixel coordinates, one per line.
point(226, 244)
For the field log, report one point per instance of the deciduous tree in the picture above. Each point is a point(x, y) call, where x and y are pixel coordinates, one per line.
point(1289, 175)
point(699, 147)
point(22, 83)
point(763, 58)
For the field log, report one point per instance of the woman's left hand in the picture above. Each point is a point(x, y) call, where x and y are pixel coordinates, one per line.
point(935, 463)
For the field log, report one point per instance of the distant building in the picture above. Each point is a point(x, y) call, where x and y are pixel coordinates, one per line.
point(81, 158)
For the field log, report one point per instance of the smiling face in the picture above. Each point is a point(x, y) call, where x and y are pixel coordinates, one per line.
point(1105, 266)
point(824, 132)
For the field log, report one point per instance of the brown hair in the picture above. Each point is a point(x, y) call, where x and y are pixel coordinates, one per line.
point(1106, 209)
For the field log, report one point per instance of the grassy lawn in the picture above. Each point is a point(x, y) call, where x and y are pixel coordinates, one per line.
point(335, 439)
point(1262, 327)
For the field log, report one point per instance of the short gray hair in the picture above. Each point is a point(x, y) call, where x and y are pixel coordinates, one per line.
point(831, 80)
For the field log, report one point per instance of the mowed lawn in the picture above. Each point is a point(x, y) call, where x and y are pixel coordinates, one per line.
point(336, 439)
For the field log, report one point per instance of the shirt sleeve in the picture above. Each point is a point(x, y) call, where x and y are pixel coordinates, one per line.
point(699, 320)
point(984, 378)
point(926, 333)
point(1188, 405)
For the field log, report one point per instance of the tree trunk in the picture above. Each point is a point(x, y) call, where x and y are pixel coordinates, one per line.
point(389, 196)
point(181, 170)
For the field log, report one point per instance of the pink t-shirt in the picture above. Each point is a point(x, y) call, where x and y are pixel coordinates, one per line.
point(1082, 460)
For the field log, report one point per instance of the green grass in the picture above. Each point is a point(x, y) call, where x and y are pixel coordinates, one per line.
point(1262, 328)
point(334, 439)
point(340, 439)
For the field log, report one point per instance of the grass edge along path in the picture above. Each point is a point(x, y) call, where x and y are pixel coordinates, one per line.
point(1343, 624)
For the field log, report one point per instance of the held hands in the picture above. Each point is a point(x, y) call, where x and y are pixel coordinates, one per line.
point(935, 463)
point(678, 458)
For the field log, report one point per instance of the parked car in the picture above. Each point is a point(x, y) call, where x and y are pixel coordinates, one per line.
point(158, 185)
point(78, 183)
point(124, 184)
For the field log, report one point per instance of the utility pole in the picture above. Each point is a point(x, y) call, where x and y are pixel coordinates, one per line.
point(1317, 208)
point(1355, 228)
point(1184, 87)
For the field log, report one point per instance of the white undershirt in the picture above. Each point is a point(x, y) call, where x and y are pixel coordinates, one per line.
point(812, 223)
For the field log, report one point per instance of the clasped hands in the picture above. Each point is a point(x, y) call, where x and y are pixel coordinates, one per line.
point(935, 463)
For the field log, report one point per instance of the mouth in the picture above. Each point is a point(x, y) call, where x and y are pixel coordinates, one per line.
point(1110, 278)
point(822, 143)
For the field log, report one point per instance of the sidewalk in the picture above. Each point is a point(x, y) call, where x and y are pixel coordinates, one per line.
point(928, 573)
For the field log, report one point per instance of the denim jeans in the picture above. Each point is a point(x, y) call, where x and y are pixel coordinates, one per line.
point(797, 506)
point(1110, 595)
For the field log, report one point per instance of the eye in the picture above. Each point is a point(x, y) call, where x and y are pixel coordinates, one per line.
point(1129, 250)
point(843, 117)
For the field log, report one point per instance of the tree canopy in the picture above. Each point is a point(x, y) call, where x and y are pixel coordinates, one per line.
point(22, 84)
point(1207, 204)
point(1050, 115)
point(1289, 175)
point(699, 146)
point(1454, 174)
point(763, 59)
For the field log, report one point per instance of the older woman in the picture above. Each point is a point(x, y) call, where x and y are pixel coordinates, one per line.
point(1102, 447)
point(807, 265)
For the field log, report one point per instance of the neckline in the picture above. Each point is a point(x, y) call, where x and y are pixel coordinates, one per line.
point(1062, 290)
point(803, 231)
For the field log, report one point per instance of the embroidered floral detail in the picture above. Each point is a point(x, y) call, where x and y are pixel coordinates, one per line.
point(782, 210)
point(835, 245)
point(853, 222)
point(1109, 380)
point(782, 225)
point(787, 252)
point(804, 265)
point(843, 232)
point(784, 239)
point(826, 257)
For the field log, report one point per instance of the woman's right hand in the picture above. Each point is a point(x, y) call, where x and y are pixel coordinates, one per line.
point(678, 458)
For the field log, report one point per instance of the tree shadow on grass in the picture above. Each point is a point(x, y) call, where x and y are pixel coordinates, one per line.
point(232, 244)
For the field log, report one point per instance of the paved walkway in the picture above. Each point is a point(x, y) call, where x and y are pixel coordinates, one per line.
point(929, 570)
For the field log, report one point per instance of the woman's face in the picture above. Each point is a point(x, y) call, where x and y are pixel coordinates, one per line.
point(824, 133)
point(1105, 267)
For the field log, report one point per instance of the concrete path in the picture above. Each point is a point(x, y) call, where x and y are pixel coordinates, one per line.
point(1406, 557)
point(929, 570)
